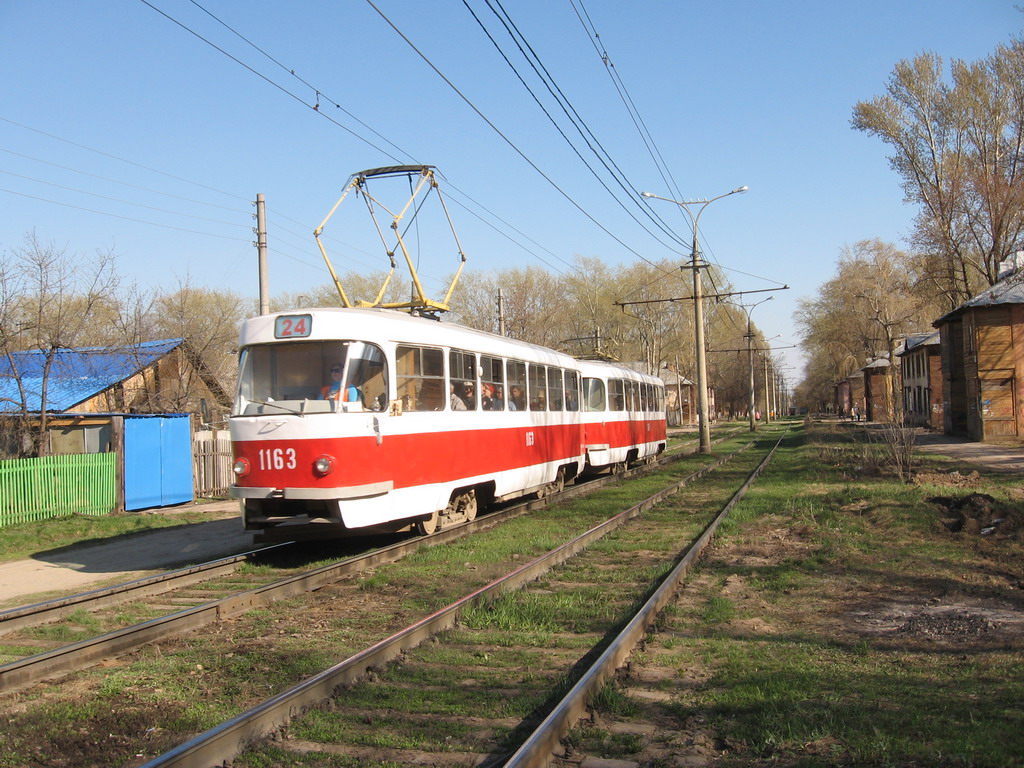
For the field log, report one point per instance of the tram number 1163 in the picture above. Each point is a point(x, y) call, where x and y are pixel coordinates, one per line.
point(277, 458)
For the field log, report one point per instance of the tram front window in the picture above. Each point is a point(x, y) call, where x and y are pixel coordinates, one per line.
point(311, 377)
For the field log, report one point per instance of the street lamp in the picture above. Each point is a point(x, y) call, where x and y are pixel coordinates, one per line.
point(751, 405)
point(698, 311)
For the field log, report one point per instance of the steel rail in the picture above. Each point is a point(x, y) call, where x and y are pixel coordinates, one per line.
point(221, 744)
point(50, 610)
point(539, 748)
point(46, 664)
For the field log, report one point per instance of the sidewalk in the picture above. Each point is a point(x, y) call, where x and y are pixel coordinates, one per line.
point(999, 458)
point(77, 568)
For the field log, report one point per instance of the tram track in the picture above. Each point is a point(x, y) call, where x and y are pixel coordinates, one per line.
point(46, 663)
point(350, 679)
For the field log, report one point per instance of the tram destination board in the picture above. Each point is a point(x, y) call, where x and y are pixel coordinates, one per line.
point(293, 326)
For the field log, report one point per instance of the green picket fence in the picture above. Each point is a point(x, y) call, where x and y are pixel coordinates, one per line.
point(57, 486)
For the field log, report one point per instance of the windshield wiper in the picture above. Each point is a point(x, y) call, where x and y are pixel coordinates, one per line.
point(278, 405)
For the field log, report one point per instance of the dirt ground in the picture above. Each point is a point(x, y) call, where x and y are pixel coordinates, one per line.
point(74, 569)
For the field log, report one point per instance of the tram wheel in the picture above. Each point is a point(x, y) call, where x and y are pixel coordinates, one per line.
point(428, 526)
point(559, 484)
point(466, 504)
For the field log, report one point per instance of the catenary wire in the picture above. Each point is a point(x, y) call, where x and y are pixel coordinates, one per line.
point(588, 136)
point(505, 138)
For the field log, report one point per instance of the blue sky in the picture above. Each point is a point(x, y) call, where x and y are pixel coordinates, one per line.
point(122, 130)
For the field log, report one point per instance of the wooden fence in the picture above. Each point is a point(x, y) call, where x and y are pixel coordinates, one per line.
point(211, 463)
point(57, 486)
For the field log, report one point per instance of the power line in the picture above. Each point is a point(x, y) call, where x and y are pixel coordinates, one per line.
point(117, 216)
point(292, 72)
point(278, 86)
point(115, 181)
point(121, 159)
point(123, 202)
point(505, 138)
point(588, 136)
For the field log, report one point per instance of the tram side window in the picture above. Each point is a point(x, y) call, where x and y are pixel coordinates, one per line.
point(420, 378)
point(661, 397)
point(492, 383)
point(572, 391)
point(516, 371)
point(593, 394)
point(556, 391)
point(618, 394)
point(538, 388)
point(632, 396)
point(462, 370)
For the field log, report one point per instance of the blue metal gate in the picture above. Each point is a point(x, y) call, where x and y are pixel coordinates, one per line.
point(157, 461)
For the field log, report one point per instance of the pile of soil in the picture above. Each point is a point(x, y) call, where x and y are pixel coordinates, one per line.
point(979, 514)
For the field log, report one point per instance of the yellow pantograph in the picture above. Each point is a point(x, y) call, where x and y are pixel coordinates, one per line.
point(425, 184)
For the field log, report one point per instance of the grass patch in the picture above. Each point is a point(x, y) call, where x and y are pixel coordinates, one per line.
point(820, 548)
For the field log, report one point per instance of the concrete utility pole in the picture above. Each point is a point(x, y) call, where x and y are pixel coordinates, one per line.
point(501, 313)
point(752, 400)
point(698, 311)
point(261, 247)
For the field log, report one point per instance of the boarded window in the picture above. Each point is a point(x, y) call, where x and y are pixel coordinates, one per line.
point(996, 395)
point(995, 341)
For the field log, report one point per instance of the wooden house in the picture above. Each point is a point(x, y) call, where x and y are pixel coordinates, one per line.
point(79, 389)
point(680, 398)
point(982, 344)
point(921, 372)
point(877, 396)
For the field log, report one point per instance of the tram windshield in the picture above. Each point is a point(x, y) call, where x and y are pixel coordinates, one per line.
point(311, 377)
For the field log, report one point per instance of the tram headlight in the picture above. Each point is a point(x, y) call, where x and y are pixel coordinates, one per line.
point(241, 467)
point(324, 465)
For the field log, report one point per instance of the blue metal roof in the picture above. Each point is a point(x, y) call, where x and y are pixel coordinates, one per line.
point(75, 374)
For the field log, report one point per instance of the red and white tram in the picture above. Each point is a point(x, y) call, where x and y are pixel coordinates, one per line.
point(623, 414)
point(356, 420)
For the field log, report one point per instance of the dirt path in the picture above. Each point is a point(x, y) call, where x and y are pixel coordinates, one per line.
point(999, 458)
point(79, 568)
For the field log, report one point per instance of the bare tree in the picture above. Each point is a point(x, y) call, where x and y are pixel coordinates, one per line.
point(51, 301)
point(959, 147)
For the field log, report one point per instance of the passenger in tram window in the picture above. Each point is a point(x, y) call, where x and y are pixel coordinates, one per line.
point(487, 396)
point(498, 399)
point(334, 391)
point(571, 404)
point(457, 403)
point(468, 395)
point(517, 401)
point(538, 403)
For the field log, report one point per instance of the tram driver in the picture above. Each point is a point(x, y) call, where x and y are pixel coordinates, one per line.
point(335, 391)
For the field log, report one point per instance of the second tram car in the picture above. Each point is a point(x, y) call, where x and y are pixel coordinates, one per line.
point(354, 420)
